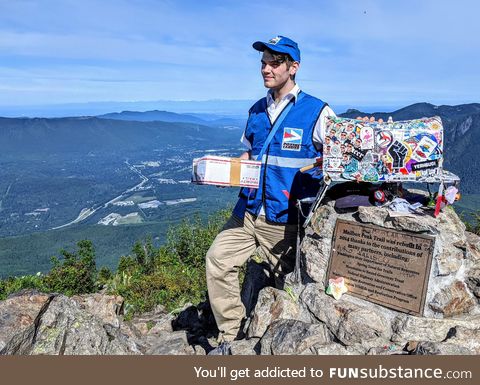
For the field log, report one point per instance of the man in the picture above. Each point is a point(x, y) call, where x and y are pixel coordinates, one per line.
point(267, 217)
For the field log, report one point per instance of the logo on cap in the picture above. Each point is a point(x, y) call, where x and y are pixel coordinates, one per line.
point(274, 40)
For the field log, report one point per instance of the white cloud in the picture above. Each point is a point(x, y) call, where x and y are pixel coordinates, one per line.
point(360, 51)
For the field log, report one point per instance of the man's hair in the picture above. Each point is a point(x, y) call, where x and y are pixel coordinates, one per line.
point(282, 58)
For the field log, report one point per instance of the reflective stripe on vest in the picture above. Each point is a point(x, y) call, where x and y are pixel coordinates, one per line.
point(281, 161)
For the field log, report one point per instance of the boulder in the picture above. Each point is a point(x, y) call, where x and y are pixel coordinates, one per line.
point(105, 307)
point(19, 318)
point(66, 328)
point(170, 343)
point(473, 280)
point(453, 300)
point(293, 337)
point(272, 305)
point(350, 320)
point(407, 327)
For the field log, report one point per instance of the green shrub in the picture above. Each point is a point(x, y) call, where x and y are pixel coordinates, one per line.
point(76, 273)
point(172, 274)
point(14, 284)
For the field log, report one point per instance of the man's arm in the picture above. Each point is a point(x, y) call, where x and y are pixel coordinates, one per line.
point(247, 154)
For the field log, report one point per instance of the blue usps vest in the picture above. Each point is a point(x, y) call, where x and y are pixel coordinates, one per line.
point(281, 182)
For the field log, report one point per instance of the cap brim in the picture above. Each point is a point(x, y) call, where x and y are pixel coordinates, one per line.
point(260, 46)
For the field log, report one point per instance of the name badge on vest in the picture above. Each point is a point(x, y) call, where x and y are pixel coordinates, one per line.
point(292, 139)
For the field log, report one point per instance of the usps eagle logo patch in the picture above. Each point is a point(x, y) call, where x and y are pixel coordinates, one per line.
point(292, 139)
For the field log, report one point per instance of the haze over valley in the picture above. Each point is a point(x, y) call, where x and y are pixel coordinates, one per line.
point(117, 178)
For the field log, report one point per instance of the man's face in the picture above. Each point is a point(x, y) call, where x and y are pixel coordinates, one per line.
point(276, 75)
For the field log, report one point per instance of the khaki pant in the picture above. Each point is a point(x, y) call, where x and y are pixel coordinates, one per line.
point(231, 248)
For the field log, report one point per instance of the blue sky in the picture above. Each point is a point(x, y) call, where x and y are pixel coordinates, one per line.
point(354, 52)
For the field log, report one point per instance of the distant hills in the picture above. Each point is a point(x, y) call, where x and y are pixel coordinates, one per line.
point(166, 116)
point(132, 130)
point(27, 137)
point(151, 116)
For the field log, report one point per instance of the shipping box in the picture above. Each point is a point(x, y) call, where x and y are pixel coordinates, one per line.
point(223, 171)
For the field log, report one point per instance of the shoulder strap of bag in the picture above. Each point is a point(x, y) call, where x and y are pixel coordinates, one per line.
point(277, 124)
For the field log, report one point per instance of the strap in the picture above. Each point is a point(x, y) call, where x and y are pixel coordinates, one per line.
point(277, 124)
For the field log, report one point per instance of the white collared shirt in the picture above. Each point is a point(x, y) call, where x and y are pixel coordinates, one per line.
point(274, 110)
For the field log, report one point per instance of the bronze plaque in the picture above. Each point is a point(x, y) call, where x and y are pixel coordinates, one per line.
point(384, 266)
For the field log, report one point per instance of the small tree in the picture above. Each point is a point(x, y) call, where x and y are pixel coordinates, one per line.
point(76, 273)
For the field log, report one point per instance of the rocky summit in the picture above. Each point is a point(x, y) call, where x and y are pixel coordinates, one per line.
point(298, 319)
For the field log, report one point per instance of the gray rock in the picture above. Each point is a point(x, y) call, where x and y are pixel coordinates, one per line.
point(66, 328)
point(387, 350)
point(293, 337)
point(153, 322)
point(323, 221)
point(374, 215)
point(466, 337)
point(105, 307)
point(449, 260)
point(245, 347)
point(449, 227)
point(174, 343)
point(336, 349)
point(350, 320)
point(453, 300)
point(473, 280)
point(315, 254)
point(272, 305)
point(413, 224)
point(410, 328)
point(19, 318)
point(424, 348)
point(472, 246)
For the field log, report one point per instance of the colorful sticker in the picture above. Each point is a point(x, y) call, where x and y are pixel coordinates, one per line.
point(367, 138)
point(424, 149)
point(384, 139)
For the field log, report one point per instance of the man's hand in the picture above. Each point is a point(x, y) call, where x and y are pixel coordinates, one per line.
point(245, 155)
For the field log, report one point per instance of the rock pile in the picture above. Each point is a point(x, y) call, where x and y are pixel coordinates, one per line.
point(311, 322)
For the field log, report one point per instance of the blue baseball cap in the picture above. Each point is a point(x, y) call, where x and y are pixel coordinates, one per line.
point(280, 44)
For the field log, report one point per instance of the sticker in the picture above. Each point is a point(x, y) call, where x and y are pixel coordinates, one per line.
point(384, 139)
point(371, 175)
point(292, 139)
point(334, 165)
point(398, 151)
point(425, 165)
point(336, 151)
point(368, 158)
point(367, 138)
point(358, 155)
point(424, 149)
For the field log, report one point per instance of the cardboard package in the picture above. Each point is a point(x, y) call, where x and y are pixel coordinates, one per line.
point(223, 171)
